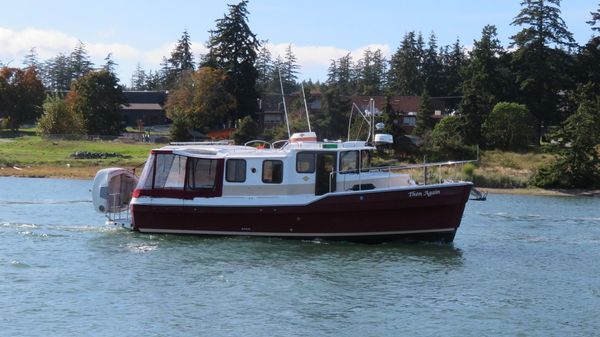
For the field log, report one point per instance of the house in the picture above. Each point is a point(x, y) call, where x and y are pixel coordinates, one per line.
point(271, 112)
point(145, 107)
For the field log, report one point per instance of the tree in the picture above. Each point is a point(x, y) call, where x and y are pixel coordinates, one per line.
point(138, 79)
point(510, 126)
point(578, 164)
point(453, 61)
point(233, 48)
point(344, 75)
point(57, 74)
point(432, 68)
point(483, 82)
point(180, 129)
point(109, 64)
point(21, 95)
point(58, 119)
point(264, 68)
point(289, 70)
point(425, 121)
point(332, 121)
point(98, 97)
point(447, 141)
point(595, 19)
point(370, 73)
point(203, 98)
point(79, 62)
point(182, 59)
point(404, 77)
point(31, 60)
point(541, 67)
point(247, 131)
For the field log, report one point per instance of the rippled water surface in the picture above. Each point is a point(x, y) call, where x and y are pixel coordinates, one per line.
point(520, 266)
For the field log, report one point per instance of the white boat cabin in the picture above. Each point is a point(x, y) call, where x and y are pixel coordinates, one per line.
point(307, 168)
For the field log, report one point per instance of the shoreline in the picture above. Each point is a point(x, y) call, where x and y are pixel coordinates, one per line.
point(88, 173)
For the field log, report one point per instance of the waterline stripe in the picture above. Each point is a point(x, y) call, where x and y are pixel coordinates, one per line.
point(183, 231)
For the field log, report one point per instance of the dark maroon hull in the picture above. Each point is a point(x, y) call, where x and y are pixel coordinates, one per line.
point(423, 214)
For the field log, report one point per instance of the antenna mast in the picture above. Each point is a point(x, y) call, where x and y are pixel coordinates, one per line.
point(305, 107)
point(287, 123)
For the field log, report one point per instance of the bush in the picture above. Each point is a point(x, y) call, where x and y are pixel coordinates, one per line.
point(510, 126)
point(468, 170)
point(58, 119)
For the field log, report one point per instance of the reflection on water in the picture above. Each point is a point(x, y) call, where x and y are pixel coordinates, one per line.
point(519, 264)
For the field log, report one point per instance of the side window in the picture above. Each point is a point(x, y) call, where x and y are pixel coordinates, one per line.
point(365, 159)
point(348, 161)
point(235, 171)
point(202, 174)
point(305, 162)
point(272, 171)
point(170, 171)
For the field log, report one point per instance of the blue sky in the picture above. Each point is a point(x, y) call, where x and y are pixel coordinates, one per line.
point(144, 31)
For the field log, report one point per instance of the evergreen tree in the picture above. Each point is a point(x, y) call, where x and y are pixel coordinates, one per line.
point(540, 66)
point(289, 71)
point(432, 68)
point(332, 73)
point(57, 73)
point(233, 47)
point(578, 164)
point(264, 68)
point(453, 61)
point(79, 61)
point(182, 59)
point(425, 121)
point(344, 75)
point(31, 60)
point(109, 64)
point(370, 72)
point(98, 97)
point(138, 79)
point(482, 84)
point(333, 121)
point(404, 77)
point(595, 19)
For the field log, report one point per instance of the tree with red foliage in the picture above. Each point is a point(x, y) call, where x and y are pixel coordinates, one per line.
point(21, 95)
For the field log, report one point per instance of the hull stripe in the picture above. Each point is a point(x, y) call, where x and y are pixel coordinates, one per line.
point(281, 234)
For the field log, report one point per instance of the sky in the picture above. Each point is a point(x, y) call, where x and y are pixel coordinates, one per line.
point(318, 30)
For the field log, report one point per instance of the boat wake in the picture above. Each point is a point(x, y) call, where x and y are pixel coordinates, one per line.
point(44, 202)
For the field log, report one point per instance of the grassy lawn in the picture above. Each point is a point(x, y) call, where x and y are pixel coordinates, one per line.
point(34, 151)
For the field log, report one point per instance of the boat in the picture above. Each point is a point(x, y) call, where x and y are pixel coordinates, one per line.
point(300, 188)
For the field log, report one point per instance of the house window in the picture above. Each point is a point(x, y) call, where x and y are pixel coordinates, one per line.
point(349, 162)
point(202, 174)
point(305, 162)
point(410, 120)
point(272, 172)
point(236, 171)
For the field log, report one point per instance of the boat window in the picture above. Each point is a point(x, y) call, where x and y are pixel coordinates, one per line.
point(202, 174)
point(145, 182)
point(170, 171)
point(236, 171)
point(348, 161)
point(365, 159)
point(272, 172)
point(305, 162)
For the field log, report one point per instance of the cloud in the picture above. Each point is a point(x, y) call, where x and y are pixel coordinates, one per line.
point(14, 45)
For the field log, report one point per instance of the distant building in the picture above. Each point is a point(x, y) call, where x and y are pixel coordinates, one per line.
point(405, 108)
point(147, 107)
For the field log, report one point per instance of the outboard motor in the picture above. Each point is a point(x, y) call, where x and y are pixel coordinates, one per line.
point(112, 190)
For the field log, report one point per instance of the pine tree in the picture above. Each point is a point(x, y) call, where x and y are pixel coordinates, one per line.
point(139, 78)
point(109, 64)
point(332, 73)
point(454, 60)
point(31, 60)
point(289, 70)
point(79, 62)
point(182, 59)
point(344, 75)
point(425, 121)
point(57, 73)
point(264, 68)
point(482, 84)
point(233, 47)
point(432, 68)
point(539, 63)
point(404, 77)
point(595, 19)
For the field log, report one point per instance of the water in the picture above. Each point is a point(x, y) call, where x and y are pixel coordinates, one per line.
point(520, 266)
